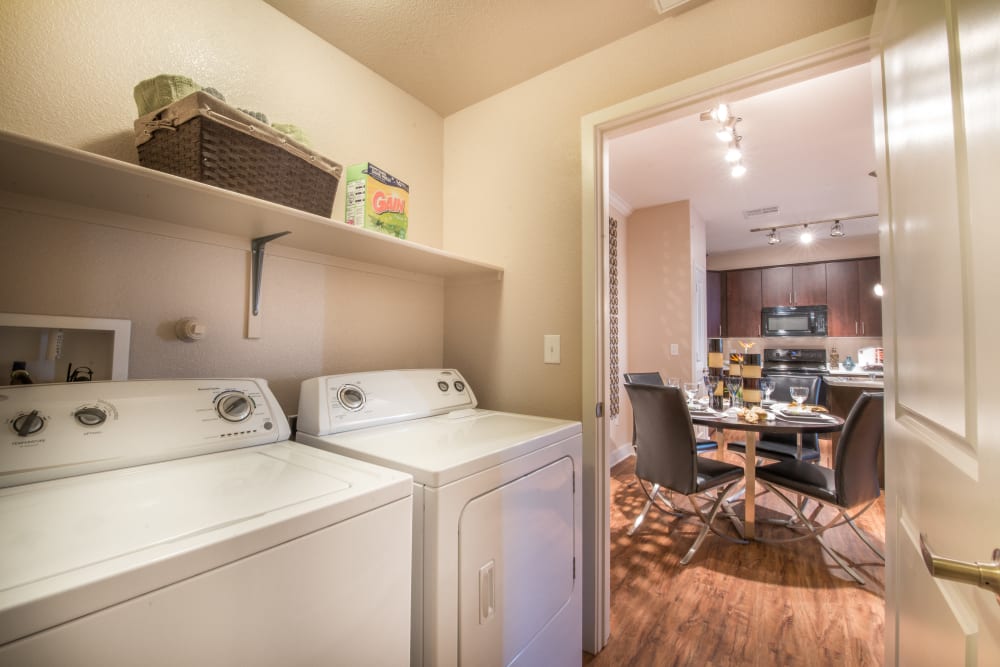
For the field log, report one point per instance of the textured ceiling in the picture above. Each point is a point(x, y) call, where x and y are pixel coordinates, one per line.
point(808, 150)
point(453, 53)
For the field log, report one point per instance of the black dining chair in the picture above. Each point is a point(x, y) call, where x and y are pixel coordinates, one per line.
point(783, 446)
point(667, 455)
point(850, 484)
point(703, 445)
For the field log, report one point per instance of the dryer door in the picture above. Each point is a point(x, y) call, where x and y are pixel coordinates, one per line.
point(516, 570)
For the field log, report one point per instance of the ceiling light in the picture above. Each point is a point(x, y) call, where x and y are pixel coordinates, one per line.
point(725, 134)
point(773, 238)
point(807, 237)
point(878, 290)
point(721, 113)
point(734, 153)
point(738, 170)
point(836, 230)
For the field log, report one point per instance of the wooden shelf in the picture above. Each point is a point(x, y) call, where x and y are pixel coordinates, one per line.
point(34, 168)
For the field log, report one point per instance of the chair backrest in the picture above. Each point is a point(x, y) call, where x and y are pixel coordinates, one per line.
point(666, 449)
point(782, 384)
point(855, 466)
point(653, 377)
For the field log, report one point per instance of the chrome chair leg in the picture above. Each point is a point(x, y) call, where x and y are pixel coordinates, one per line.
point(645, 510)
point(707, 522)
point(863, 535)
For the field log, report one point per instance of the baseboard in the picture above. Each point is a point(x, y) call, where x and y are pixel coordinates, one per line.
point(619, 454)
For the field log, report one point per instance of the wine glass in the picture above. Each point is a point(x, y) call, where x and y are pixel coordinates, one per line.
point(673, 382)
point(798, 395)
point(691, 389)
point(734, 383)
point(767, 386)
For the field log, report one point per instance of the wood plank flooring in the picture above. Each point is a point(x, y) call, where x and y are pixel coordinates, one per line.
point(754, 604)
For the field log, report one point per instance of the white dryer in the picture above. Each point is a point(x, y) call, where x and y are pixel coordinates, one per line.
point(497, 511)
point(171, 522)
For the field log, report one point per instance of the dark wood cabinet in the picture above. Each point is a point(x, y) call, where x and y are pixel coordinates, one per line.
point(715, 290)
point(797, 285)
point(854, 308)
point(842, 298)
point(743, 303)
point(869, 303)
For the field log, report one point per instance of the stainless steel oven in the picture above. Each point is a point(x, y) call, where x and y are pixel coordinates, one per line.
point(793, 321)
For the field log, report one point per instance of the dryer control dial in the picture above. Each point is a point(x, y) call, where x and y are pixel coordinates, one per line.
point(351, 397)
point(27, 423)
point(90, 415)
point(234, 406)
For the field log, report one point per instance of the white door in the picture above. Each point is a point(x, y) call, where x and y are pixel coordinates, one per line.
point(939, 133)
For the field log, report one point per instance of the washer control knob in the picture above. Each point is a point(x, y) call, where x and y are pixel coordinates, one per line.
point(27, 424)
point(351, 397)
point(90, 416)
point(459, 385)
point(234, 406)
point(442, 385)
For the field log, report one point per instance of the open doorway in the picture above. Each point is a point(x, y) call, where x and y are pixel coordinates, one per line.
point(800, 62)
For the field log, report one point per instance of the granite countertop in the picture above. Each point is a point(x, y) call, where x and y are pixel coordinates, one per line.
point(854, 380)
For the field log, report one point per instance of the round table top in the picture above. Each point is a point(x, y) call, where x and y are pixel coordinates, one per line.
point(776, 425)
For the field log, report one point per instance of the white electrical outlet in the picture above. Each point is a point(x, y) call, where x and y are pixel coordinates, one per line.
point(552, 349)
point(674, 350)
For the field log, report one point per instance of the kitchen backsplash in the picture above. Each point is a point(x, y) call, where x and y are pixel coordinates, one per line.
point(845, 346)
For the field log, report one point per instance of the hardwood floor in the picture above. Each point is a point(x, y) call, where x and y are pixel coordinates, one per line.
point(753, 604)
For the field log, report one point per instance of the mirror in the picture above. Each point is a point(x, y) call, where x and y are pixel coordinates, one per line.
point(53, 348)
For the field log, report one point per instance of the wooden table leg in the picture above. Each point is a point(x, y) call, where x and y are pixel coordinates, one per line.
point(750, 473)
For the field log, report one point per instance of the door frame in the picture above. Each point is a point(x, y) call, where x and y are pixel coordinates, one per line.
point(818, 54)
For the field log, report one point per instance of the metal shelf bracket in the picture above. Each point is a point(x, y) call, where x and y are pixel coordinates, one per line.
point(256, 273)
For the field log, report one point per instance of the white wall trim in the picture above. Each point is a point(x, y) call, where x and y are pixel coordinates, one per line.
point(619, 204)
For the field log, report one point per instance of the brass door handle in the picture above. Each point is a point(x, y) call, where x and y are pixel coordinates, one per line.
point(983, 575)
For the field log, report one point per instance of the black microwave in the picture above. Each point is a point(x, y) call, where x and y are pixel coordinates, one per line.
point(793, 321)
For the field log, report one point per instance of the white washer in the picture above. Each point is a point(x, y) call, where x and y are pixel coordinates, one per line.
point(171, 522)
point(497, 511)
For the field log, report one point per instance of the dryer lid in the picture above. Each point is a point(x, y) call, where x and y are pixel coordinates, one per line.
point(445, 448)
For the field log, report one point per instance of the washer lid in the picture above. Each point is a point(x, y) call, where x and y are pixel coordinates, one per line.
point(442, 449)
point(145, 527)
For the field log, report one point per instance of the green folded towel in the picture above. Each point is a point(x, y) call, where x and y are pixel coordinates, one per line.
point(162, 90)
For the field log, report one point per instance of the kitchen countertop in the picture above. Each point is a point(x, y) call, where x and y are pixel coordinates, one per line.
point(859, 381)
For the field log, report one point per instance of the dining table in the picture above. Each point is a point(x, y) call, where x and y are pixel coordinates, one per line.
point(783, 422)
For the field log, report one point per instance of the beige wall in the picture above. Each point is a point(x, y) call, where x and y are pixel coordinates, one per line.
point(69, 69)
point(512, 184)
point(658, 255)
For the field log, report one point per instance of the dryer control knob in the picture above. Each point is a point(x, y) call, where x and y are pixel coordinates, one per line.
point(90, 416)
point(351, 397)
point(234, 406)
point(27, 424)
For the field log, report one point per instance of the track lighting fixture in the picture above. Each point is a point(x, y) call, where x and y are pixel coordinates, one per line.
point(807, 236)
point(723, 115)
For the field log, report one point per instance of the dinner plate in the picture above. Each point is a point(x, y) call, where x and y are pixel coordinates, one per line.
point(803, 416)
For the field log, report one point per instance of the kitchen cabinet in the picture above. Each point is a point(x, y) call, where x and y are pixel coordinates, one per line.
point(796, 285)
point(743, 303)
point(869, 303)
point(47, 178)
point(716, 295)
point(854, 308)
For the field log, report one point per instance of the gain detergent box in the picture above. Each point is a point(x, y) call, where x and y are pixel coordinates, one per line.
point(376, 200)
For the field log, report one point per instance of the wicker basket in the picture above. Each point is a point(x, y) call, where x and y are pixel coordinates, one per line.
point(202, 138)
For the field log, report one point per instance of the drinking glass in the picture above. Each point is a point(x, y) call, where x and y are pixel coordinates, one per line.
point(673, 382)
point(767, 386)
point(734, 383)
point(798, 395)
point(691, 389)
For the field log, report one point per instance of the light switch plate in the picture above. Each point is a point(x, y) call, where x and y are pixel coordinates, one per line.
point(674, 350)
point(552, 352)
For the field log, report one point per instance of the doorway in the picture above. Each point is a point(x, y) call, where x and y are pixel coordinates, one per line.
point(820, 54)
